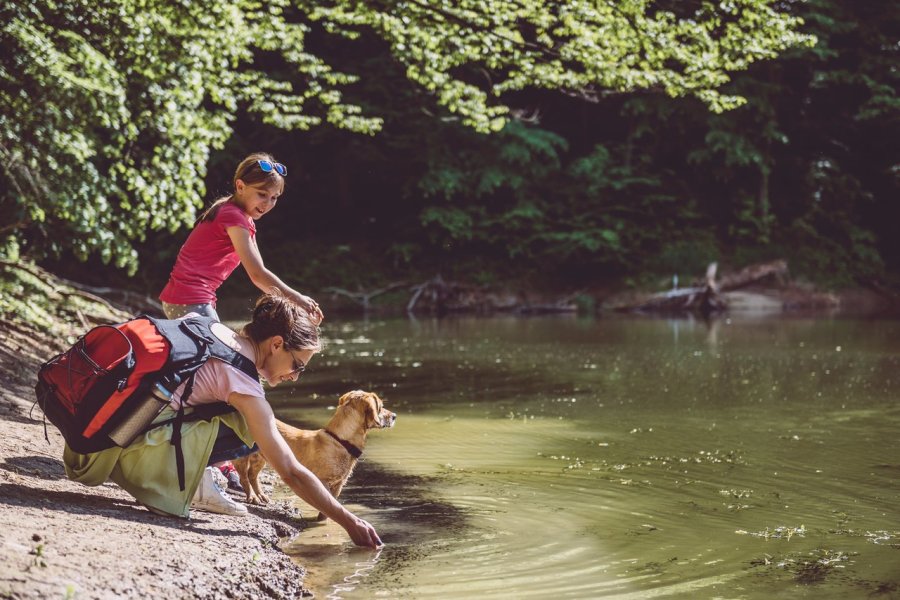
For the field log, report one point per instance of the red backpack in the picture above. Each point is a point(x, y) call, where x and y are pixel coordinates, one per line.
point(106, 379)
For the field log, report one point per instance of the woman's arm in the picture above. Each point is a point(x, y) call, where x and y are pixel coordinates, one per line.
point(262, 277)
point(261, 420)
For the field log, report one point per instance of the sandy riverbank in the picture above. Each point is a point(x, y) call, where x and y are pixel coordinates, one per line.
point(59, 539)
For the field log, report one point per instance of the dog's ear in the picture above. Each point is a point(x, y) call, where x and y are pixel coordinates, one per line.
point(373, 419)
point(349, 396)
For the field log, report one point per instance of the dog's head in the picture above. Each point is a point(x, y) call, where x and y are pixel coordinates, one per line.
point(371, 406)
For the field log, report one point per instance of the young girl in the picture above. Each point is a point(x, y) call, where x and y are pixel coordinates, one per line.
point(280, 339)
point(225, 235)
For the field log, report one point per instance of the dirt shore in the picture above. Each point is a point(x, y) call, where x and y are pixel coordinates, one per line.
point(59, 539)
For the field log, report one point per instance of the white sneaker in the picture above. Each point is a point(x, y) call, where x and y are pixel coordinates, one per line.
point(219, 477)
point(210, 497)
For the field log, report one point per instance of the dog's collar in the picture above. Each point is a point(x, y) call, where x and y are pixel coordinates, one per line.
point(353, 450)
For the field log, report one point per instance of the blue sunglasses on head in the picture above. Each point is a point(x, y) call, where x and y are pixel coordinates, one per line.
point(267, 166)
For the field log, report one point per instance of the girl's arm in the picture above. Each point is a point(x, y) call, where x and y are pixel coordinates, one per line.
point(261, 420)
point(262, 277)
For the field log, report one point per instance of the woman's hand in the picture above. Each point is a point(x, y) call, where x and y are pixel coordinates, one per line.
point(261, 421)
point(362, 533)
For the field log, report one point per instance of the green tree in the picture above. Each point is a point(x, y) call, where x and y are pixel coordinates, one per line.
point(809, 164)
point(109, 112)
point(804, 170)
point(845, 128)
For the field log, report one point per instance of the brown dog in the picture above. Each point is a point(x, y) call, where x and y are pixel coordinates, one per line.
point(330, 453)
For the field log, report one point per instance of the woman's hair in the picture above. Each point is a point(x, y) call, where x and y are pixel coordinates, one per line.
point(251, 174)
point(276, 315)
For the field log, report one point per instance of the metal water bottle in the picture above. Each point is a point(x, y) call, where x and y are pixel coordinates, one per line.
point(143, 414)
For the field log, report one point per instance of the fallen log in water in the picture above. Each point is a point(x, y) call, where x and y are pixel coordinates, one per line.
point(453, 297)
point(708, 296)
point(439, 296)
point(776, 269)
point(364, 298)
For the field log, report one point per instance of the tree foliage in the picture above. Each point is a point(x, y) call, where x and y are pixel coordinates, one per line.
point(806, 169)
point(471, 53)
point(109, 111)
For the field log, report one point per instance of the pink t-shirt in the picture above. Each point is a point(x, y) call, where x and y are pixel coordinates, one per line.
point(206, 259)
point(215, 381)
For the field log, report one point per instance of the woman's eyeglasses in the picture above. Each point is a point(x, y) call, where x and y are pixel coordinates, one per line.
point(299, 366)
point(267, 166)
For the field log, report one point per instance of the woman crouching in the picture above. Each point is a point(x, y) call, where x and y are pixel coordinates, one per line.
point(280, 339)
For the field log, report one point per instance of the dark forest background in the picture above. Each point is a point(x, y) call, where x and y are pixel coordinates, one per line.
point(613, 190)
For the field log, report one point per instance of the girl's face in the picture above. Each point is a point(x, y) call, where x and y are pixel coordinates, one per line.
point(256, 200)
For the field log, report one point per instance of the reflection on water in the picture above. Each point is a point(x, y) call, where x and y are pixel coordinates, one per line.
point(334, 570)
point(571, 458)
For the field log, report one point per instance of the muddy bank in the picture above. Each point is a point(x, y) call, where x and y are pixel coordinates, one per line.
point(59, 539)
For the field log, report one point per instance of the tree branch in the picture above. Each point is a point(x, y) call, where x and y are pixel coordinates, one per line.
point(364, 298)
point(448, 15)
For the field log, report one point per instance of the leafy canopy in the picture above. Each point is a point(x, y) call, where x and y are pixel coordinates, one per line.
point(109, 111)
point(471, 52)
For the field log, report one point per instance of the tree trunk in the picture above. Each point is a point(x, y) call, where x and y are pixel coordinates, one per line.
point(763, 202)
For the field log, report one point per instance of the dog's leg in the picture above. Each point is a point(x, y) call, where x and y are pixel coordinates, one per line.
point(256, 464)
point(242, 465)
point(335, 490)
point(248, 468)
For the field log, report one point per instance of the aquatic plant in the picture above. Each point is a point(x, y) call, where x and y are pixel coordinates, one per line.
point(807, 569)
point(781, 532)
point(814, 571)
point(881, 537)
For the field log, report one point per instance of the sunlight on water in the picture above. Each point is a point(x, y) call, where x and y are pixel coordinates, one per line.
point(629, 459)
point(492, 509)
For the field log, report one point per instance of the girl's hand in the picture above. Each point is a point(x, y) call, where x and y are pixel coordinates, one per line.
point(312, 307)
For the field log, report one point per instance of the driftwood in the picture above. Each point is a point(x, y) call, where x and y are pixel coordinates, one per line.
point(545, 309)
point(776, 269)
point(435, 289)
point(705, 296)
point(440, 296)
point(454, 297)
point(702, 298)
point(563, 305)
point(365, 298)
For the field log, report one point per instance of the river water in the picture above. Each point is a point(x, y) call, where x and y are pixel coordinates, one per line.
point(564, 457)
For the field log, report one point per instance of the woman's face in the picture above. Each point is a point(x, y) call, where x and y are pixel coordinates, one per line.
point(284, 364)
point(257, 200)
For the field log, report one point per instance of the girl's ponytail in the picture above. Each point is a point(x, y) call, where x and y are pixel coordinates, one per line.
point(210, 213)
